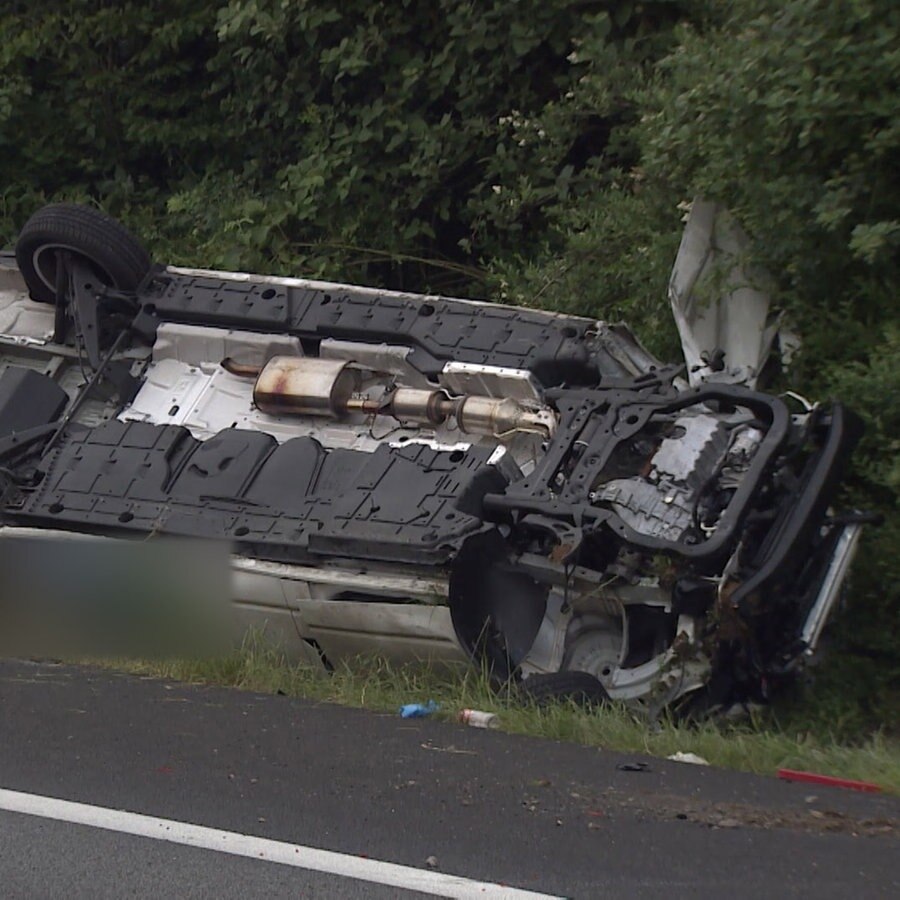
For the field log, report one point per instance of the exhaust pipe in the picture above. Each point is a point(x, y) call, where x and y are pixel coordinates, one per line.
point(309, 386)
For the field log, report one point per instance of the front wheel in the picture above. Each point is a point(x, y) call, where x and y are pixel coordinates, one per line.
point(114, 254)
point(580, 687)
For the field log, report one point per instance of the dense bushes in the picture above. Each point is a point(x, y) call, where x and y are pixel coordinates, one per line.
point(539, 151)
point(392, 141)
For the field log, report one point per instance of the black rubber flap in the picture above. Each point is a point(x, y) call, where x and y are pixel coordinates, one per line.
point(28, 399)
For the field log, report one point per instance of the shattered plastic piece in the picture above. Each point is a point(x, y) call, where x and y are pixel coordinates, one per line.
point(427, 745)
point(720, 303)
point(418, 710)
point(688, 758)
point(475, 718)
point(634, 767)
point(829, 781)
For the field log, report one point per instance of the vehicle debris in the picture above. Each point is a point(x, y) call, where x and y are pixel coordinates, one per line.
point(476, 718)
point(691, 758)
point(829, 781)
point(418, 710)
point(634, 767)
point(432, 478)
point(427, 745)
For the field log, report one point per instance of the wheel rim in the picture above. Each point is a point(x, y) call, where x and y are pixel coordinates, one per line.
point(598, 651)
point(45, 260)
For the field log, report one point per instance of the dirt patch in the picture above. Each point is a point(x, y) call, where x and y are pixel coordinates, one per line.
point(815, 820)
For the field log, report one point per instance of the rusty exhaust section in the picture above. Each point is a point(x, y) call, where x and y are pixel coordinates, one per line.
point(309, 386)
point(305, 386)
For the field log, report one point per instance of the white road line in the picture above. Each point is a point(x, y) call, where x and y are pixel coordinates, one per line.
point(435, 883)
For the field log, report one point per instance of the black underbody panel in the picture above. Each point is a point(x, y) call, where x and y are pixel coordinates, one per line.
point(556, 349)
point(284, 502)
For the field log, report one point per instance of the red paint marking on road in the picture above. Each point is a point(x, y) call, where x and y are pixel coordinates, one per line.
point(828, 781)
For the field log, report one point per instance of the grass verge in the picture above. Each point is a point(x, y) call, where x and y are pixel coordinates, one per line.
point(761, 745)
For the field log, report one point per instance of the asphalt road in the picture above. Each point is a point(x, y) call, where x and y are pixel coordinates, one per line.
point(537, 815)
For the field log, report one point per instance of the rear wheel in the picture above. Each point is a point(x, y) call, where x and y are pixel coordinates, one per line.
point(114, 254)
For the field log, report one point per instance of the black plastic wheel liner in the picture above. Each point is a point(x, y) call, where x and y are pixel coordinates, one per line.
point(496, 611)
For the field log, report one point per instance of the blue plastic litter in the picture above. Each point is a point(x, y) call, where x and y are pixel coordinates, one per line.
point(418, 710)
